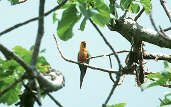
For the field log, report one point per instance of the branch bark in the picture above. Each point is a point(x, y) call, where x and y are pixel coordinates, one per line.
point(40, 33)
point(129, 29)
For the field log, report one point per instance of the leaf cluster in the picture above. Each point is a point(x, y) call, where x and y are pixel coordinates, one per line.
point(99, 11)
point(10, 71)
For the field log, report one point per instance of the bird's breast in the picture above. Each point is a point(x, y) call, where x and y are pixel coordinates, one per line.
point(83, 56)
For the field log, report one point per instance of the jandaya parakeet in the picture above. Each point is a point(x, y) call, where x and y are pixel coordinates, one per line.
point(82, 58)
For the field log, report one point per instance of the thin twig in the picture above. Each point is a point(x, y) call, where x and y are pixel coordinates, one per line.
point(56, 102)
point(112, 90)
point(117, 58)
point(89, 66)
point(12, 85)
point(160, 33)
point(166, 9)
point(122, 51)
point(33, 19)
point(110, 74)
point(139, 14)
point(167, 29)
point(146, 56)
point(162, 101)
point(108, 44)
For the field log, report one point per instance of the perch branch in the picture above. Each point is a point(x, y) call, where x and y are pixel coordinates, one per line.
point(89, 66)
point(33, 19)
point(146, 56)
point(123, 51)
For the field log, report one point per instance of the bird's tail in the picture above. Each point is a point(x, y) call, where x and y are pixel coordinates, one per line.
point(81, 78)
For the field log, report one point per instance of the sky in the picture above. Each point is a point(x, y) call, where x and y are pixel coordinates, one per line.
point(96, 85)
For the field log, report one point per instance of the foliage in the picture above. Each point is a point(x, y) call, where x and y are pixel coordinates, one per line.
point(10, 70)
point(98, 10)
point(13, 2)
point(161, 79)
point(118, 105)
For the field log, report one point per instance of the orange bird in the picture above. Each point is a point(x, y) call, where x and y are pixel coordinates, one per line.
point(83, 56)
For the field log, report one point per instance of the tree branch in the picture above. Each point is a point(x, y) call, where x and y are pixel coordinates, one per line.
point(123, 51)
point(139, 14)
point(112, 90)
point(167, 29)
point(40, 33)
point(33, 19)
point(166, 9)
point(108, 44)
point(12, 55)
point(129, 29)
point(146, 56)
point(56, 102)
point(157, 56)
point(89, 66)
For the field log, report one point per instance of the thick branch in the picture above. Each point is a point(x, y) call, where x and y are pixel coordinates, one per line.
point(39, 33)
point(12, 55)
point(89, 66)
point(129, 29)
point(157, 56)
point(33, 19)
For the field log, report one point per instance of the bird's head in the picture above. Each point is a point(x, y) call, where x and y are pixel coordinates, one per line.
point(83, 44)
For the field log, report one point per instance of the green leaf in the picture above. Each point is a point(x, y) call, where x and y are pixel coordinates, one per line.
point(118, 105)
point(125, 4)
point(54, 17)
point(23, 53)
point(166, 65)
point(12, 95)
point(166, 100)
point(65, 25)
point(13, 2)
point(155, 75)
point(147, 5)
point(83, 23)
point(43, 51)
point(104, 13)
point(135, 8)
point(100, 20)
